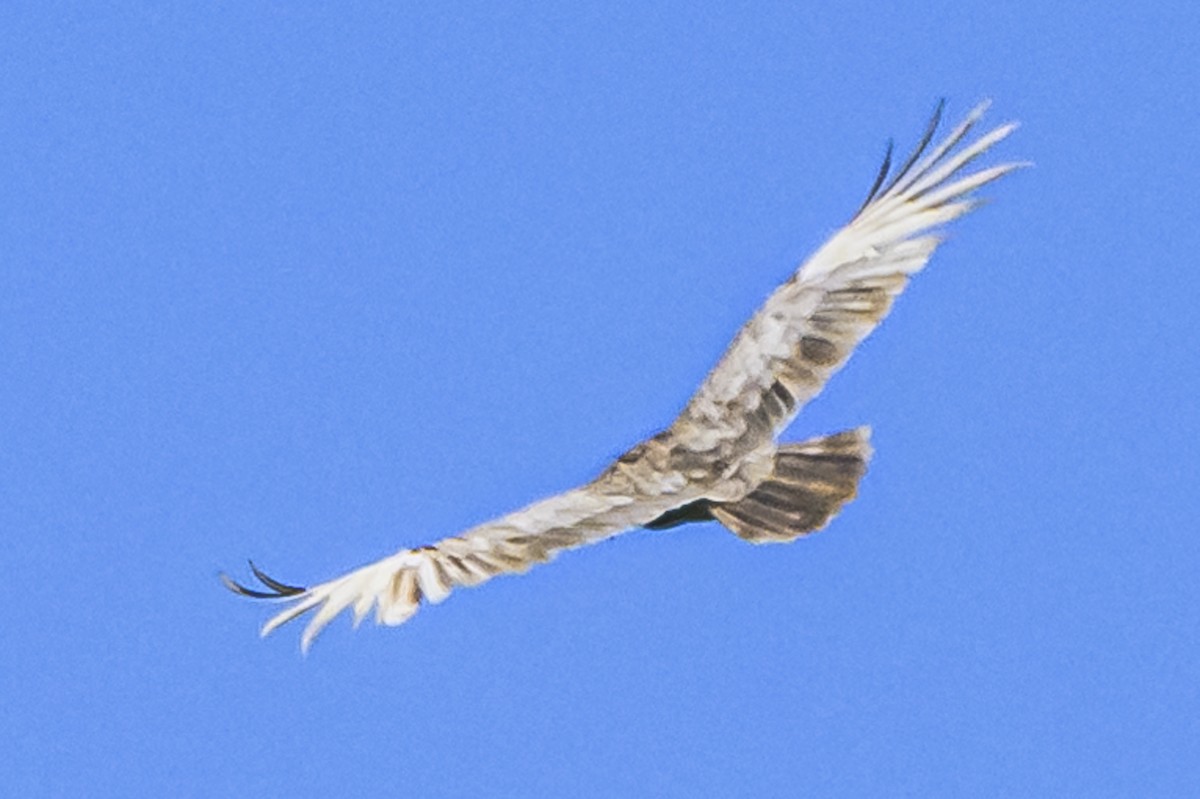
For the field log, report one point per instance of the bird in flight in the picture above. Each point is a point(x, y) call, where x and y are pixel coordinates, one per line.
point(720, 459)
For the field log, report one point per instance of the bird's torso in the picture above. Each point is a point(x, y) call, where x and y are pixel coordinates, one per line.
point(669, 465)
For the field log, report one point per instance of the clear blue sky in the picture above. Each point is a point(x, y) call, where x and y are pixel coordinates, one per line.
point(309, 285)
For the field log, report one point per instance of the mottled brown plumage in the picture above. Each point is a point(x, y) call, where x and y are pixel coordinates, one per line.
point(720, 458)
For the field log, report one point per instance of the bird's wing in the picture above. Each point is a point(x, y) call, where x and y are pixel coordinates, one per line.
point(810, 325)
point(395, 585)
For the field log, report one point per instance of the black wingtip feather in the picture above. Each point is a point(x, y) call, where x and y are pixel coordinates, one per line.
point(241, 590)
point(880, 177)
point(926, 138)
point(283, 588)
point(278, 590)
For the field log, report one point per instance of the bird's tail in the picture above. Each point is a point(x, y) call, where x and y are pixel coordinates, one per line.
point(811, 482)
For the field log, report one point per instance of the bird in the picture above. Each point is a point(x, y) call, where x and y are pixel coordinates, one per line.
point(721, 459)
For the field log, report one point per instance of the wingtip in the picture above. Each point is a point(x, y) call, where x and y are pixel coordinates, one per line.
point(938, 111)
point(1002, 132)
point(283, 589)
point(979, 109)
point(314, 628)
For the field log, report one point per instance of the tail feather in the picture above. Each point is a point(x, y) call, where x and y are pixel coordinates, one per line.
point(811, 482)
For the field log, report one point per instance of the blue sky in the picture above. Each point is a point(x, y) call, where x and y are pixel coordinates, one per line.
point(311, 284)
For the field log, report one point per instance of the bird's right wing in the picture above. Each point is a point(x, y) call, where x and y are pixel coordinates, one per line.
point(810, 326)
point(394, 586)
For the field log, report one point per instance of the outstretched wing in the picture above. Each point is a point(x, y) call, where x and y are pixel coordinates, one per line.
point(395, 586)
point(810, 325)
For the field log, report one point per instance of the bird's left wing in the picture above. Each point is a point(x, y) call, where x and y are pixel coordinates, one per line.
point(810, 326)
point(395, 585)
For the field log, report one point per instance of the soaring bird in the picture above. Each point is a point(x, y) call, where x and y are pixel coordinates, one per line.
point(720, 459)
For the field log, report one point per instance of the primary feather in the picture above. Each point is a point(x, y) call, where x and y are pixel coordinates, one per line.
point(719, 459)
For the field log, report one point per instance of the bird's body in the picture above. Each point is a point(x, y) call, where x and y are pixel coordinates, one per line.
point(720, 459)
